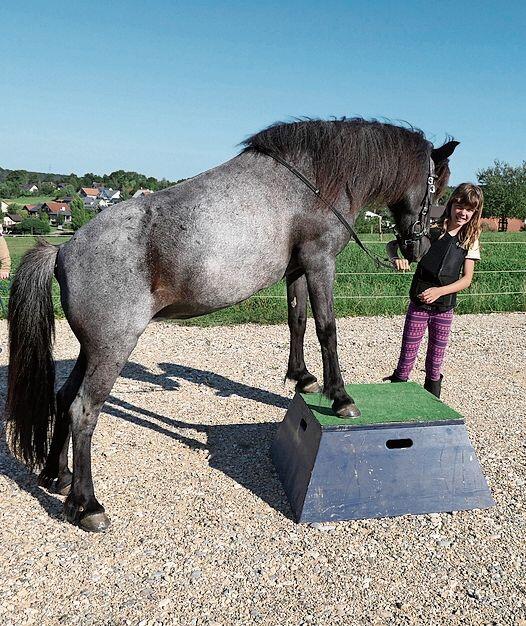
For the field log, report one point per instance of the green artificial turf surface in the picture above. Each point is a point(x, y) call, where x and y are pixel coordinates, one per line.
point(383, 403)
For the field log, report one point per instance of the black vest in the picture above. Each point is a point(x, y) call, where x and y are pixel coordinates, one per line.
point(441, 265)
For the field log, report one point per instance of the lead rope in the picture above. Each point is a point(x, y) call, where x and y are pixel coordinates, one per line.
point(379, 262)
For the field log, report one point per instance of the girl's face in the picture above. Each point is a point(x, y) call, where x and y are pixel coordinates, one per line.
point(461, 214)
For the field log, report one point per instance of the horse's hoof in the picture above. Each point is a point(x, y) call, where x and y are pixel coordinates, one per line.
point(45, 481)
point(63, 490)
point(312, 387)
point(63, 484)
point(94, 519)
point(95, 522)
point(348, 410)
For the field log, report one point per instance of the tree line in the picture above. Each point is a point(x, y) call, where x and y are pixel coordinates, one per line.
point(504, 186)
point(12, 182)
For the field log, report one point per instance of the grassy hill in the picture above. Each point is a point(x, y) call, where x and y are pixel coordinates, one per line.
point(28, 200)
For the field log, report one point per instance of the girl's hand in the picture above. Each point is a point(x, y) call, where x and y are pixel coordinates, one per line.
point(4, 274)
point(430, 295)
point(400, 265)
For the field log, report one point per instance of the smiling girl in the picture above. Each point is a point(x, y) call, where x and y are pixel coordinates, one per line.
point(437, 279)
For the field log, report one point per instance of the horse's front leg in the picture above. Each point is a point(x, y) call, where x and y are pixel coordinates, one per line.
point(320, 281)
point(297, 318)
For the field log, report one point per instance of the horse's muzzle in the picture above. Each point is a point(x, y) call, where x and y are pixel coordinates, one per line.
point(414, 249)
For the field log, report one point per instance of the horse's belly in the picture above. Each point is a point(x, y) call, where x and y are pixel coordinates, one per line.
point(182, 310)
point(217, 286)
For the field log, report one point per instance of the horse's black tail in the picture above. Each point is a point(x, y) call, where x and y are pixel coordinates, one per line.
point(30, 406)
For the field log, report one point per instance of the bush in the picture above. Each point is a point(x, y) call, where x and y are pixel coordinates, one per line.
point(33, 226)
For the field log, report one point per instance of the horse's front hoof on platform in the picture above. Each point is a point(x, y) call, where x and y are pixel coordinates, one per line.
point(95, 522)
point(348, 410)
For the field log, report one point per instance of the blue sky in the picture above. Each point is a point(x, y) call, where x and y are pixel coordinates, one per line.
point(170, 88)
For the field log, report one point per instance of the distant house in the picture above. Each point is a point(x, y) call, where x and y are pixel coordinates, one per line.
point(90, 202)
point(109, 194)
point(511, 224)
point(55, 210)
point(141, 192)
point(33, 209)
point(29, 188)
point(3, 206)
point(89, 192)
point(10, 219)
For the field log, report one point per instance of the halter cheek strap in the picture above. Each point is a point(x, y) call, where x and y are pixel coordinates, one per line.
point(420, 228)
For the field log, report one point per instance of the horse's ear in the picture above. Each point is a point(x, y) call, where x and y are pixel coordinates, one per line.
point(444, 152)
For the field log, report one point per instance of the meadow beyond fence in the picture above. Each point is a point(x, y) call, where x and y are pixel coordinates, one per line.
point(363, 289)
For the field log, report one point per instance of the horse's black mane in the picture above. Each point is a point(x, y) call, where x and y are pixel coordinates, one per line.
point(375, 159)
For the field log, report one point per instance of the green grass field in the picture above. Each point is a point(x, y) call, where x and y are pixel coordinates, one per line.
point(28, 200)
point(362, 289)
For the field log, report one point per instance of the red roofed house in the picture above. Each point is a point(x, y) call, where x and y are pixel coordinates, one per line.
point(55, 210)
point(89, 192)
point(33, 209)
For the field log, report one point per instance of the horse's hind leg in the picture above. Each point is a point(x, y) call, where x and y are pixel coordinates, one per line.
point(297, 318)
point(56, 466)
point(104, 362)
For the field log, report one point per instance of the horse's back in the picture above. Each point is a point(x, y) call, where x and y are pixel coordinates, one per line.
point(204, 244)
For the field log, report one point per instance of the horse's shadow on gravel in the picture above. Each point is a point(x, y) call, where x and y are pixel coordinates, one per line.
point(241, 451)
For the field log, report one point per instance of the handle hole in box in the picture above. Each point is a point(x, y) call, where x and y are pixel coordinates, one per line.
point(398, 444)
point(303, 424)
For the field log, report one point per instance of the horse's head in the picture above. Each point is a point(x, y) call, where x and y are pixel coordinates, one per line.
point(411, 214)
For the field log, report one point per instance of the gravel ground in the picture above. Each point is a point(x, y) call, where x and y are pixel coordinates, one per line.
point(201, 531)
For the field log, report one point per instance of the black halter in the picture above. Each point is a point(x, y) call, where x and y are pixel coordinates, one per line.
point(420, 228)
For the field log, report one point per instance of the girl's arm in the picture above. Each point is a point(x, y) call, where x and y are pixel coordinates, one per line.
point(430, 295)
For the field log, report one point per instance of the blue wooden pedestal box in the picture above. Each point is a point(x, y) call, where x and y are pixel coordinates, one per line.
point(407, 454)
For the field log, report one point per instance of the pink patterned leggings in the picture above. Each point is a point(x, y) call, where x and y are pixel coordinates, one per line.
point(416, 322)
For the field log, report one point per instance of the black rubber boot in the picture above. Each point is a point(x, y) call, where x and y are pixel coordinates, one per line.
point(433, 386)
point(394, 379)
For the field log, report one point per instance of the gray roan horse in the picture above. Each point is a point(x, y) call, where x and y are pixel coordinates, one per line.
point(207, 243)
